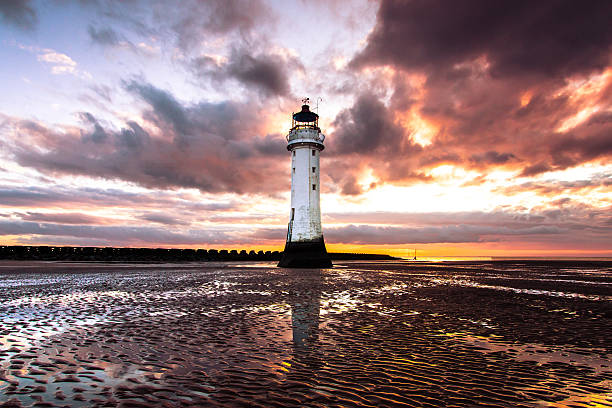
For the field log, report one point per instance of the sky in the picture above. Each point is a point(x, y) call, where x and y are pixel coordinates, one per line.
point(459, 128)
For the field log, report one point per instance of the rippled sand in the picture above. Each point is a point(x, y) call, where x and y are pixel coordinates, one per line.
point(466, 334)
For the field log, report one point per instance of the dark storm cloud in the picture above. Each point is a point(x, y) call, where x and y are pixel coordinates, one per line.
point(209, 146)
point(586, 142)
point(484, 122)
point(366, 127)
point(496, 86)
point(18, 13)
point(589, 141)
point(350, 186)
point(367, 135)
point(264, 71)
point(549, 38)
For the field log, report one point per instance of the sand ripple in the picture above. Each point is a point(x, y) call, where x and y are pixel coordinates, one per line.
point(479, 334)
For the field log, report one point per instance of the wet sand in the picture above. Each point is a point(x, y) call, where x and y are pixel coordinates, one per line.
point(454, 334)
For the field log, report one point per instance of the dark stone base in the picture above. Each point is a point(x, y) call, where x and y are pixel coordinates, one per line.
point(305, 255)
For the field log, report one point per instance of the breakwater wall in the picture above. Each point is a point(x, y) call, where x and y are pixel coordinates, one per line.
point(112, 254)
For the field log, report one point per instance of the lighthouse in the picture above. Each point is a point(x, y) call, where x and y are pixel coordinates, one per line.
point(305, 247)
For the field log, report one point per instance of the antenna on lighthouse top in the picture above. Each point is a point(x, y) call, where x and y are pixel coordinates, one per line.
point(317, 107)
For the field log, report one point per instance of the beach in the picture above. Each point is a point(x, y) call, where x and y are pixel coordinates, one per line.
point(369, 334)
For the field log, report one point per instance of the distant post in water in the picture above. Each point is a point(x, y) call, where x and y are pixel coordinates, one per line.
point(305, 247)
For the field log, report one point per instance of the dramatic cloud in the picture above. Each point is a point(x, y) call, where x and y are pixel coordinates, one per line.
point(367, 127)
point(369, 130)
point(515, 85)
point(265, 72)
point(262, 71)
point(552, 38)
point(19, 13)
point(209, 146)
point(586, 142)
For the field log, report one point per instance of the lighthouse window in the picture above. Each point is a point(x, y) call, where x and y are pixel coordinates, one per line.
point(294, 170)
point(314, 169)
point(313, 153)
point(314, 186)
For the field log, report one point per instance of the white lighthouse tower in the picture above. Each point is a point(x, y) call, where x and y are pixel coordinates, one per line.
point(305, 247)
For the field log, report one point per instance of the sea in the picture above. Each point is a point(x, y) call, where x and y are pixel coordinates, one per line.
point(425, 333)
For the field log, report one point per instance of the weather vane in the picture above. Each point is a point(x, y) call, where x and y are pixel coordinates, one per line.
point(306, 101)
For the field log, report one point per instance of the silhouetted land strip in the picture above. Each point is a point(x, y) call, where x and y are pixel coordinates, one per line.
point(111, 254)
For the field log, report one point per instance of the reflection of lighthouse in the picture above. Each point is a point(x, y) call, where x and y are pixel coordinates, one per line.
point(305, 247)
point(305, 321)
point(305, 299)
